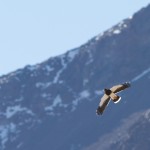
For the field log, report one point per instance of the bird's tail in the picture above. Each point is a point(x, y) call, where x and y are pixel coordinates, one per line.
point(115, 97)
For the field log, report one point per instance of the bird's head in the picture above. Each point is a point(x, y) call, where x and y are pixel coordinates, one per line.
point(107, 91)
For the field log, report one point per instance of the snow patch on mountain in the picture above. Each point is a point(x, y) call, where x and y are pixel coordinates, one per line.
point(99, 92)
point(45, 95)
point(141, 75)
point(19, 99)
point(5, 130)
point(83, 95)
point(71, 55)
point(147, 115)
point(4, 80)
point(90, 59)
point(57, 102)
point(99, 36)
point(12, 110)
point(85, 81)
point(130, 17)
point(19, 145)
point(32, 68)
point(43, 85)
point(64, 66)
point(48, 68)
point(114, 30)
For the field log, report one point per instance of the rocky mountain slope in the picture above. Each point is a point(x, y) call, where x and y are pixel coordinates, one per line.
point(133, 133)
point(51, 105)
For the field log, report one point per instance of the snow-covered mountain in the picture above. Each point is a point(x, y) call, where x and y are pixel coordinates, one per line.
point(51, 105)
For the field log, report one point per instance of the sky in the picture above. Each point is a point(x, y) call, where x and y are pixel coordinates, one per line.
point(31, 31)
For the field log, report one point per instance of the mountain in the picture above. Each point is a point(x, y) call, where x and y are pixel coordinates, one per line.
point(51, 105)
point(133, 133)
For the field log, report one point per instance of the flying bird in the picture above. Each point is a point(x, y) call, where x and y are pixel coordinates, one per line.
point(111, 94)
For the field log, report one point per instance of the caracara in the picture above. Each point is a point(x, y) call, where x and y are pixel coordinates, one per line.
point(111, 94)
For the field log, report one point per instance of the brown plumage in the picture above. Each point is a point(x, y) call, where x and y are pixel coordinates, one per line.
point(111, 94)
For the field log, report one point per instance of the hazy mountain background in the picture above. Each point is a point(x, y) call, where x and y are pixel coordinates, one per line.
point(51, 105)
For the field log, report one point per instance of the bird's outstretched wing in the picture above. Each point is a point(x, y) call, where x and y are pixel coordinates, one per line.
point(118, 88)
point(102, 105)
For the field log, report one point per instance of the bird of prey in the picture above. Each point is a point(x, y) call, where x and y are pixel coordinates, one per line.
point(111, 94)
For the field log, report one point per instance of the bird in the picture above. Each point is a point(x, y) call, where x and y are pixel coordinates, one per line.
point(110, 94)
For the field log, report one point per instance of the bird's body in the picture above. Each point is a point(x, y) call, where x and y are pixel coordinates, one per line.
point(111, 94)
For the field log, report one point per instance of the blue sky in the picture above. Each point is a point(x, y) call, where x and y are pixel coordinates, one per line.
point(32, 31)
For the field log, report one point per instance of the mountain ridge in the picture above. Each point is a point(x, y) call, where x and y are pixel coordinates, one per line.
point(51, 105)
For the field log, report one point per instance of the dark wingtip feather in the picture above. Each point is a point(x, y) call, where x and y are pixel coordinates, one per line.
point(127, 84)
point(98, 111)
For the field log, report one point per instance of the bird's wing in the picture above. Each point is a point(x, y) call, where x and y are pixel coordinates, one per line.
point(103, 103)
point(118, 88)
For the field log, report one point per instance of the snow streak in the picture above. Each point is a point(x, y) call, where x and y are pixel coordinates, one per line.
point(141, 75)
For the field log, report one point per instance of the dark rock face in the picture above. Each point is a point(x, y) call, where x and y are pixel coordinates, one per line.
point(52, 105)
point(133, 133)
